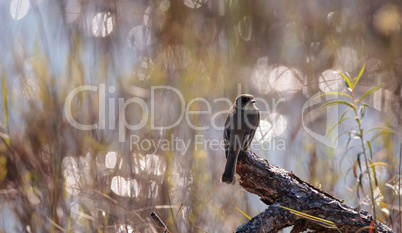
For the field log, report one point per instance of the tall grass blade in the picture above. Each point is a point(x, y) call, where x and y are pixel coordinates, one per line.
point(7, 140)
point(249, 218)
point(370, 149)
point(374, 172)
point(319, 221)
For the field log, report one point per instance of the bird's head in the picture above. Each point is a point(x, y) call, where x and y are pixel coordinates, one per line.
point(246, 102)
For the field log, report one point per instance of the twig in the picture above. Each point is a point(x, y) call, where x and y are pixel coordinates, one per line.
point(399, 187)
point(177, 214)
point(56, 225)
point(199, 228)
point(159, 221)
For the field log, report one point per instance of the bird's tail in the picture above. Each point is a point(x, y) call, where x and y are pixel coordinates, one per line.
point(230, 169)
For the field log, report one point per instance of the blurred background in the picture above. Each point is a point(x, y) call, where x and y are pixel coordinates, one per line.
point(57, 178)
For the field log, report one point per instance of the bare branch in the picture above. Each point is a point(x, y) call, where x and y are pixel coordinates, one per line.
point(278, 187)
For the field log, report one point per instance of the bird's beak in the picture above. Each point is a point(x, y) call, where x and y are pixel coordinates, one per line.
point(252, 101)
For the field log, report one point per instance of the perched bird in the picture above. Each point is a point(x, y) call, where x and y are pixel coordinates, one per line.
point(240, 126)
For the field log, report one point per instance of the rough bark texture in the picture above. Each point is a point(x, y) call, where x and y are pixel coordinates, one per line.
point(277, 187)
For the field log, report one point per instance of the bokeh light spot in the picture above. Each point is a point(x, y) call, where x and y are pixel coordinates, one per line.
point(279, 122)
point(285, 79)
point(102, 24)
point(120, 186)
point(274, 125)
point(111, 159)
point(193, 4)
point(245, 28)
point(388, 19)
point(125, 188)
point(264, 131)
point(71, 175)
point(260, 76)
point(153, 190)
point(330, 80)
point(19, 8)
point(164, 5)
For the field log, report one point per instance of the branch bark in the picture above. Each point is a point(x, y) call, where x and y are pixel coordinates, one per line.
point(278, 187)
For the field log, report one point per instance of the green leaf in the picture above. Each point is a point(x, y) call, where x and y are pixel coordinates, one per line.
point(358, 161)
point(346, 111)
point(347, 80)
point(369, 92)
point(340, 121)
point(374, 172)
point(361, 112)
point(347, 143)
point(370, 149)
point(366, 105)
point(337, 138)
point(347, 150)
point(357, 120)
point(356, 80)
point(335, 102)
point(382, 130)
point(359, 186)
point(333, 93)
point(360, 181)
point(7, 140)
point(353, 134)
point(383, 164)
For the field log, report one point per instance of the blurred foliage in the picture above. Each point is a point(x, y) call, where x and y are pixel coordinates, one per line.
point(55, 177)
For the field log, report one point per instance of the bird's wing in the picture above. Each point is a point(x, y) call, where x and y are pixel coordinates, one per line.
point(226, 135)
point(249, 133)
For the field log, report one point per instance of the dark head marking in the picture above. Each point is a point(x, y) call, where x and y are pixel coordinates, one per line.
point(244, 99)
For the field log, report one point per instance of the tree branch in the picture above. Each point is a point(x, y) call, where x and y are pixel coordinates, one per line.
point(278, 187)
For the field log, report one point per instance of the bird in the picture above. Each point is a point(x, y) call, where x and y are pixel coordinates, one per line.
point(241, 123)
